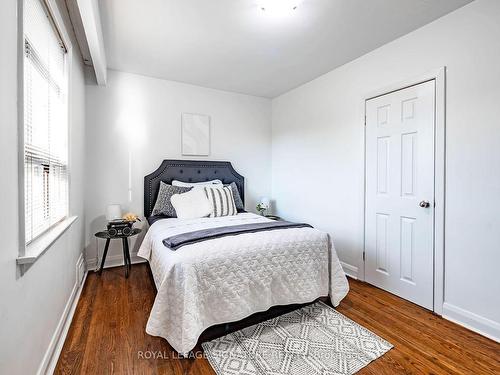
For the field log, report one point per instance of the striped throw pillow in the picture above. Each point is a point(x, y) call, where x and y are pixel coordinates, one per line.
point(222, 201)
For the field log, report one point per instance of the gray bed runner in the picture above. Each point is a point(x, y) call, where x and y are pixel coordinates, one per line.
point(177, 241)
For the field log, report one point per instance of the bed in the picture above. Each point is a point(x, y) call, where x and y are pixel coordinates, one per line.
point(226, 279)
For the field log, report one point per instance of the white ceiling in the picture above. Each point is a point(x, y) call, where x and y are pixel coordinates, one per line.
point(233, 45)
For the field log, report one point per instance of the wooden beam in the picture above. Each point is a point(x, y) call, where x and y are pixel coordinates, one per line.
point(86, 21)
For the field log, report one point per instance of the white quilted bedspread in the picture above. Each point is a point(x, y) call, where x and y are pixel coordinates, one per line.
point(227, 279)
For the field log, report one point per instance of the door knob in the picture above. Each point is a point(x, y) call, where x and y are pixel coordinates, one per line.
point(424, 204)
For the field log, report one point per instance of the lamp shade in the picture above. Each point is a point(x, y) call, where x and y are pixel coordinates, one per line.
point(113, 212)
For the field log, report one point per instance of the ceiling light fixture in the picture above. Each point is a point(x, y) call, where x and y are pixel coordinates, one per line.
point(278, 6)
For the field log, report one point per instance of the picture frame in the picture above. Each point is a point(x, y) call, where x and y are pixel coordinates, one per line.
point(195, 134)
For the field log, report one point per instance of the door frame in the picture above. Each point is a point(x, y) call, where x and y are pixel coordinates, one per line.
point(439, 77)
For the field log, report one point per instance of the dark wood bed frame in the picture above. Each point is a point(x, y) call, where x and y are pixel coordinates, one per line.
point(198, 171)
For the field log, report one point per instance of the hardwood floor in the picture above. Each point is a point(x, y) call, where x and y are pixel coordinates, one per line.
point(107, 335)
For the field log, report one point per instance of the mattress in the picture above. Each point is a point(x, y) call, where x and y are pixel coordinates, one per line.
point(227, 279)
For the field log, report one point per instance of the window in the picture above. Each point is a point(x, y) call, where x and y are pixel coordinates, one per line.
point(45, 122)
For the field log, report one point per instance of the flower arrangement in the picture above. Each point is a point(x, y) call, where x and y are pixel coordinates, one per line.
point(261, 208)
point(263, 205)
point(131, 218)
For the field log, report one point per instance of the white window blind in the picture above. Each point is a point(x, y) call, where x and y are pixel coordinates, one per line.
point(45, 122)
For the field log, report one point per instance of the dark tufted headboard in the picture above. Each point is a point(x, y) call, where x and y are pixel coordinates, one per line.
point(189, 171)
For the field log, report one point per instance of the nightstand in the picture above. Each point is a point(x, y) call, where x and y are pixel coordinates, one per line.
point(126, 253)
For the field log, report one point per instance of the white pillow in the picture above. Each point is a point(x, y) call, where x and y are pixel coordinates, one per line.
point(191, 205)
point(193, 184)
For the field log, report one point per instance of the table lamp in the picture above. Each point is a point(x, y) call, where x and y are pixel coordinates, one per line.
point(113, 212)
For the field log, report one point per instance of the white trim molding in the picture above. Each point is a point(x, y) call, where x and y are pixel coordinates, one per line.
point(472, 321)
point(49, 361)
point(439, 76)
point(38, 247)
point(350, 270)
point(113, 261)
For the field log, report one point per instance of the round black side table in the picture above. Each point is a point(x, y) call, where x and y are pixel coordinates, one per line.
point(126, 253)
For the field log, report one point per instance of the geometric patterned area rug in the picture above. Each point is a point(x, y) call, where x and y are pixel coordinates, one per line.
point(314, 340)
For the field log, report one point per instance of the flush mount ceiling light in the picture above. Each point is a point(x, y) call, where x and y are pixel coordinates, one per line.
point(278, 6)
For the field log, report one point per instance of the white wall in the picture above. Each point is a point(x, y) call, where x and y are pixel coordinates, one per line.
point(32, 305)
point(135, 122)
point(317, 151)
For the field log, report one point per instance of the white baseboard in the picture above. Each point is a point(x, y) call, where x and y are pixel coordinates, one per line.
point(350, 270)
point(113, 261)
point(49, 361)
point(472, 321)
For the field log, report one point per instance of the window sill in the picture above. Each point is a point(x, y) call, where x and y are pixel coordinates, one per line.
point(38, 247)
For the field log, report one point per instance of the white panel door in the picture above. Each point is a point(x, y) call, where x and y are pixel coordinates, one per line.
point(399, 222)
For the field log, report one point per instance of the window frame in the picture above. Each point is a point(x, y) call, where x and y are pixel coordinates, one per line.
point(29, 252)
